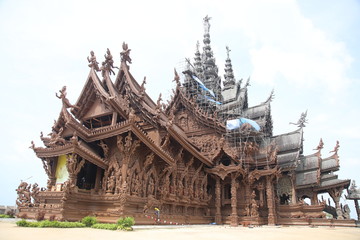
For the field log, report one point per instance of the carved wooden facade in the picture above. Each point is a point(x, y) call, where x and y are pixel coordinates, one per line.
point(124, 155)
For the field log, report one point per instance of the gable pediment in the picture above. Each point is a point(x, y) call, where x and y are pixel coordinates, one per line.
point(97, 109)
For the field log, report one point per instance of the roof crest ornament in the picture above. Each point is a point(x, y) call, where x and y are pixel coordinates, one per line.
point(207, 24)
point(109, 62)
point(228, 50)
point(92, 61)
point(271, 97)
point(65, 101)
point(125, 54)
point(336, 148)
point(301, 122)
point(320, 146)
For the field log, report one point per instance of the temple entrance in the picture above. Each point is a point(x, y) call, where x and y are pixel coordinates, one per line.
point(87, 176)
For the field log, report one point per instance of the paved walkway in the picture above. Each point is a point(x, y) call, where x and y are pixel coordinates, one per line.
point(9, 231)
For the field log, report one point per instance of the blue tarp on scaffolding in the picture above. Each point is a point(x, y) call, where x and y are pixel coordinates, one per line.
point(202, 85)
point(237, 123)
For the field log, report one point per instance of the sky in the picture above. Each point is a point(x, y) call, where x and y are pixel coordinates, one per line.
point(307, 51)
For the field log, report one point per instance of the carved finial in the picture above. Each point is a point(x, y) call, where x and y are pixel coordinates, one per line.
point(301, 122)
point(320, 146)
point(92, 61)
point(247, 82)
point(228, 51)
point(197, 46)
point(158, 102)
point(125, 54)
point(32, 146)
point(63, 98)
point(271, 97)
point(336, 148)
point(74, 139)
point(207, 24)
point(176, 77)
point(109, 62)
point(142, 87)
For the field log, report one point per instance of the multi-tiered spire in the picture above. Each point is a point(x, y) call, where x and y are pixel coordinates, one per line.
point(229, 74)
point(211, 78)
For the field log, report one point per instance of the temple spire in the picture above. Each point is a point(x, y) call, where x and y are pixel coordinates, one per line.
point(229, 74)
point(211, 78)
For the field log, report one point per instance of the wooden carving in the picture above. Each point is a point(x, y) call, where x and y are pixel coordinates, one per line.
point(73, 167)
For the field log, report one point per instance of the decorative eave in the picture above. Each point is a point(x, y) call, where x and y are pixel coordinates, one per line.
point(257, 174)
point(222, 171)
point(206, 120)
point(331, 163)
point(175, 132)
point(71, 148)
point(338, 184)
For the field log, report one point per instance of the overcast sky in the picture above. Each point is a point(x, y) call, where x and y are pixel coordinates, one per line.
point(307, 51)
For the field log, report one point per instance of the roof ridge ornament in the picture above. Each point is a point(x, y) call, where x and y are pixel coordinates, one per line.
point(65, 101)
point(125, 54)
point(271, 97)
point(336, 148)
point(301, 122)
point(320, 146)
point(207, 24)
point(92, 61)
point(109, 62)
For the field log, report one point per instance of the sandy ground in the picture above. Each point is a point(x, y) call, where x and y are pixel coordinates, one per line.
point(9, 231)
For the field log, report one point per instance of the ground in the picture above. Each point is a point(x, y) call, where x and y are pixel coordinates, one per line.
point(9, 231)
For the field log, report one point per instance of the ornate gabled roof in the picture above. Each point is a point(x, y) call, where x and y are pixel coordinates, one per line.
point(289, 148)
point(92, 90)
point(331, 180)
point(330, 164)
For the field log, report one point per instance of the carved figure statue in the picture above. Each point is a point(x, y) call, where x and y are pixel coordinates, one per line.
point(105, 148)
point(207, 24)
point(56, 139)
point(142, 88)
point(32, 146)
point(34, 193)
point(109, 62)
point(92, 61)
point(151, 187)
point(125, 54)
point(24, 195)
point(111, 184)
point(301, 122)
point(336, 148)
point(320, 146)
point(176, 78)
point(65, 101)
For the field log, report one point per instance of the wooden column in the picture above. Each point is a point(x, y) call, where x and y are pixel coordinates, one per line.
point(234, 215)
point(98, 178)
point(218, 216)
point(357, 208)
point(335, 194)
point(314, 199)
point(114, 118)
point(270, 200)
point(293, 193)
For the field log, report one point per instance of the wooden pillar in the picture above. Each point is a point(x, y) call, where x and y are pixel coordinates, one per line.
point(98, 178)
point(234, 215)
point(114, 118)
point(314, 199)
point(335, 194)
point(270, 200)
point(218, 216)
point(293, 193)
point(357, 208)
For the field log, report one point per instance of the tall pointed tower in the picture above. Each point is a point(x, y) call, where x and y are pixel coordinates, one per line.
point(211, 78)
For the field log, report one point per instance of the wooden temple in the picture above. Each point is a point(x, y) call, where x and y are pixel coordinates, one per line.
point(203, 157)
